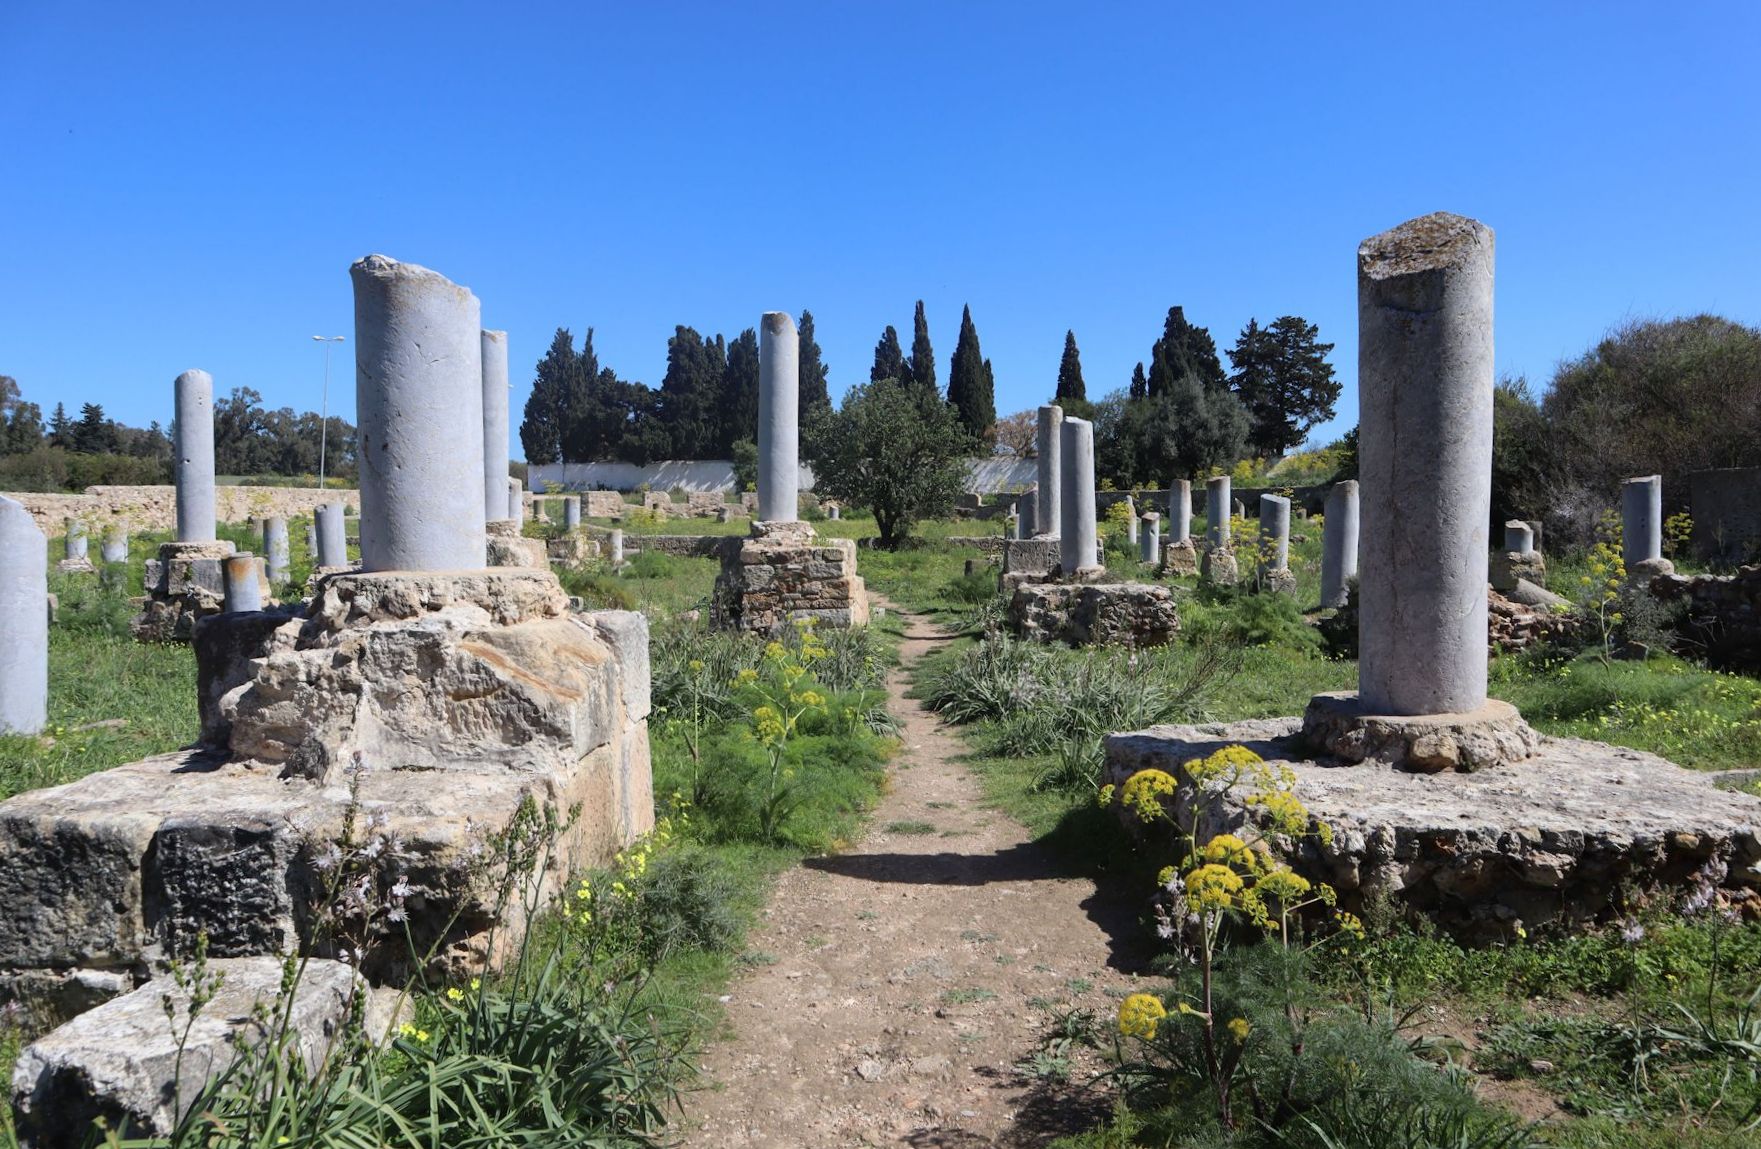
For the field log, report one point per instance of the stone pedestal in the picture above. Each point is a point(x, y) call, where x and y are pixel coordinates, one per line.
point(1512, 567)
point(1180, 558)
point(1219, 566)
point(183, 584)
point(1094, 614)
point(784, 572)
point(1339, 726)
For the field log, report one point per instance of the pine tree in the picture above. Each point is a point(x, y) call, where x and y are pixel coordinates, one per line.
point(60, 428)
point(1140, 386)
point(1284, 380)
point(889, 359)
point(816, 398)
point(1070, 384)
point(739, 393)
point(923, 357)
point(971, 391)
point(691, 404)
point(94, 434)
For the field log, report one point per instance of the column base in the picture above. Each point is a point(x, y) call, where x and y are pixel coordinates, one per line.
point(1337, 725)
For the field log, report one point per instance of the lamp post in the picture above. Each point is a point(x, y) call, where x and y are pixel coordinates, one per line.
point(324, 405)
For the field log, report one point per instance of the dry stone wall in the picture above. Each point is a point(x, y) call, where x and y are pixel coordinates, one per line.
point(155, 508)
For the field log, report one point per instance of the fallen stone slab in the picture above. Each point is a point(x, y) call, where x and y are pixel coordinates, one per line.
point(123, 1062)
point(1552, 839)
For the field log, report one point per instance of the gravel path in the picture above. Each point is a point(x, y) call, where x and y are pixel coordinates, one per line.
point(889, 999)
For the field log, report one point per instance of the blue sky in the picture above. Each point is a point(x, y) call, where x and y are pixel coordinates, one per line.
point(185, 185)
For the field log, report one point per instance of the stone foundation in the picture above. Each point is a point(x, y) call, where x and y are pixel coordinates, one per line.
point(1552, 840)
point(1278, 582)
point(572, 549)
point(1723, 616)
point(426, 707)
point(1511, 567)
point(1179, 559)
point(1094, 614)
point(507, 546)
point(183, 584)
point(784, 572)
point(1219, 566)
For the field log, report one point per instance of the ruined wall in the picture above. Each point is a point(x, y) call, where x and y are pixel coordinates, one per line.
point(1726, 506)
point(155, 508)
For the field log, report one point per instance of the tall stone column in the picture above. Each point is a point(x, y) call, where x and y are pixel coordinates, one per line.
point(571, 512)
point(419, 403)
point(779, 423)
point(1048, 514)
point(1076, 527)
point(617, 548)
point(194, 454)
point(1131, 521)
point(1274, 533)
point(1149, 539)
point(1425, 375)
point(333, 542)
point(1179, 510)
point(24, 621)
point(1217, 508)
point(113, 548)
point(494, 353)
point(1641, 527)
point(276, 549)
point(1339, 539)
point(76, 543)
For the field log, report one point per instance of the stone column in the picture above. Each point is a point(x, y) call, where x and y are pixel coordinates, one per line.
point(1339, 544)
point(1217, 512)
point(1076, 502)
point(493, 347)
point(24, 621)
point(572, 512)
point(243, 580)
point(194, 457)
point(1641, 525)
point(1149, 540)
point(1180, 510)
point(516, 499)
point(617, 548)
point(419, 404)
point(114, 547)
point(276, 549)
point(333, 543)
point(1016, 524)
point(833, 512)
point(1519, 538)
point(1425, 375)
point(1131, 523)
point(1048, 515)
point(779, 424)
point(312, 537)
point(1274, 533)
point(76, 544)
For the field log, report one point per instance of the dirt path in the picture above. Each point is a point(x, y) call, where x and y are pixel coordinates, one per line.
point(889, 1002)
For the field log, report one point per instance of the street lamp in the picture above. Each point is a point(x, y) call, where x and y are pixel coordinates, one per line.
point(324, 405)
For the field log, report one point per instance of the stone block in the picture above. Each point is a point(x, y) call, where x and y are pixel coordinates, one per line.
point(122, 1061)
point(1219, 566)
point(1512, 567)
point(1179, 558)
point(1099, 614)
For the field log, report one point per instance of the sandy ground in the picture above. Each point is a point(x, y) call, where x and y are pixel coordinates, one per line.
point(888, 1002)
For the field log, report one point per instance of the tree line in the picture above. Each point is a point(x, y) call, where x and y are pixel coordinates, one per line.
point(706, 406)
point(68, 453)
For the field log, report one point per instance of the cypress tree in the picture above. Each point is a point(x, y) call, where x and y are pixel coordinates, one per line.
point(690, 403)
point(816, 396)
point(966, 382)
point(889, 359)
point(546, 412)
point(1184, 349)
point(923, 357)
point(1070, 384)
point(739, 393)
point(1140, 386)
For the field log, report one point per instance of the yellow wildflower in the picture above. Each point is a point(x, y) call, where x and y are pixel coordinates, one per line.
point(1105, 797)
point(695, 665)
point(1144, 791)
point(1239, 1029)
point(1228, 850)
point(455, 994)
point(1213, 887)
point(1139, 1015)
point(1282, 883)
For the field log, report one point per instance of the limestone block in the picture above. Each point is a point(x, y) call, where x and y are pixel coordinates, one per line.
point(1102, 614)
point(1512, 567)
point(1338, 724)
point(121, 1060)
point(1278, 582)
point(1219, 566)
point(1528, 844)
point(1179, 558)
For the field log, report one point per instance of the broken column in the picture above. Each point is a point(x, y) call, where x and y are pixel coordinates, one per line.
point(1518, 562)
point(1339, 544)
point(1131, 520)
point(75, 549)
point(1150, 538)
point(1425, 374)
point(516, 493)
point(1077, 557)
point(617, 548)
point(184, 582)
point(571, 512)
point(277, 552)
point(333, 540)
point(243, 577)
point(1219, 565)
point(493, 352)
point(1274, 556)
point(1641, 528)
point(779, 431)
point(114, 546)
point(419, 388)
point(24, 621)
point(1179, 554)
point(1048, 515)
point(784, 572)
